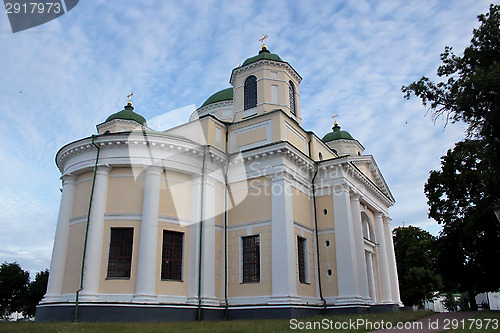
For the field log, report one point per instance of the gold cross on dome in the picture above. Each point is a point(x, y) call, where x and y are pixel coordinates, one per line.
point(264, 36)
point(130, 98)
point(335, 118)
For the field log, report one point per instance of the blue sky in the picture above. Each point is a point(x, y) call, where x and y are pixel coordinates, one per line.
point(62, 78)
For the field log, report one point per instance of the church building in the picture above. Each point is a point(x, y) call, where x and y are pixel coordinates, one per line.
point(238, 213)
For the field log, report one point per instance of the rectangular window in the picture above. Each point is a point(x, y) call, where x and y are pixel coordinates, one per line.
point(302, 258)
point(251, 258)
point(275, 94)
point(171, 255)
point(120, 253)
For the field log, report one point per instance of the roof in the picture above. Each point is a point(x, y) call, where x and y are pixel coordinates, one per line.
point(337, 134)
point(223, 95)
point(263, 54)
point(128, 114)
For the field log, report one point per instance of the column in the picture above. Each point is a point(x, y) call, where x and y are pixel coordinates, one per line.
point(360, 246)
point(208, 244)
point(385, 281)
point(95, 236)
point(345, 247)
point(391, 258)
point(148, 243)
point(194, 240)
point(371, 276)
point(284, 270)
point(58, 262)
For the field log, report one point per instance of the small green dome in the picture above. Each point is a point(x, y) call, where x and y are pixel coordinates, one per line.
point(263, 54)
point(128, 114)
point(223, 95)
point(337, 134)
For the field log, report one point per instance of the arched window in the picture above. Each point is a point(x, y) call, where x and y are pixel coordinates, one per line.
point(250, 92)
point(367, 227)
point(291, 92)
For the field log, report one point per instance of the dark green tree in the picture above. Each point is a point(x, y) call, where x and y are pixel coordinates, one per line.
point(35, 292)
point(13, 285)
point(416, 258)
point(461, 195)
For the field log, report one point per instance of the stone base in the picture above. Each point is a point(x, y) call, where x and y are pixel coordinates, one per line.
point(128, 312)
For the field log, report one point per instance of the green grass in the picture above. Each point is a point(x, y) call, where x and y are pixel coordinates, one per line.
point(480, 320)
point(278, 325)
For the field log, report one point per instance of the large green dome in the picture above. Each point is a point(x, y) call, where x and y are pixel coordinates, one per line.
point(223, 95)
point(337, 134)
point(263, 54)
point(128, 114)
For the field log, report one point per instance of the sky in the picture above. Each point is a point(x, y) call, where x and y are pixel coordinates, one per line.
point(58, 80)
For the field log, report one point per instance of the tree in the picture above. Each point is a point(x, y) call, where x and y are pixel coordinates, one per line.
point(462, 194)
point(34, 294)
point(416, 258)
point(13, 284)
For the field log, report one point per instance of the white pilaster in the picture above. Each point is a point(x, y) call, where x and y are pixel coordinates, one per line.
point(58, 261)
point(345, 247)
point(148, 242)
point(92, 271)
point(284, 270)
point(360, 246)
point(391, 258)
point(194, 241)
point(208, 245)
point(385, 282)
point(371, 276)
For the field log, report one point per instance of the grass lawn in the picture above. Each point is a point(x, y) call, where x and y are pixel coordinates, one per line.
point(278, 325)
point(483, 321)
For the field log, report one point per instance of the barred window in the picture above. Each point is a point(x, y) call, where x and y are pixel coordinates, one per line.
point(171, 255)
point(302, 258)
point(251, 258)
point(291, 92)
point(250, 92)
point(120, 253)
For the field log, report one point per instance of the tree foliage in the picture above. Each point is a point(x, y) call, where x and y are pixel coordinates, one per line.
point(461, 195)
point(35, 292)
point(416, 258)
point(13, 284)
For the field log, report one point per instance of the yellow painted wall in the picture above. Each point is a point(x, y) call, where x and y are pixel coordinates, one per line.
point(256, 135)
point(264, 287)
point(219, 264)
point(306, 289)
point(328, 260)
point(72, 268)
point(256, 205)
point(119, 286)
point(82, 194)
point(125, 193)
point(178, 184)
point(302, 208)
point(317, 146)
point(179, 288)
point(325, 220)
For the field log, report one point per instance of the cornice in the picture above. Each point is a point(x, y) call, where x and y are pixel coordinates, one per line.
point(268, 62)
point(213, 106)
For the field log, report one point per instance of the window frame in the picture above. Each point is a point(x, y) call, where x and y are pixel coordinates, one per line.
point(250, 93)
point(179, 276)
point(291, 97)
point(302, 265)
point(257, 263)
point(113, 269)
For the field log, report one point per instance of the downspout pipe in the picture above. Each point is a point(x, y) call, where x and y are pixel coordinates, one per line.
point(87, 226)
point(316, 169)
point(201, 230)
point(226, 304)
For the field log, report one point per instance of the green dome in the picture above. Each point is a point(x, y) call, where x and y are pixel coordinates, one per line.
point(128, 114)
point(263, 54)
point(337, 134)
point(223, 95)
